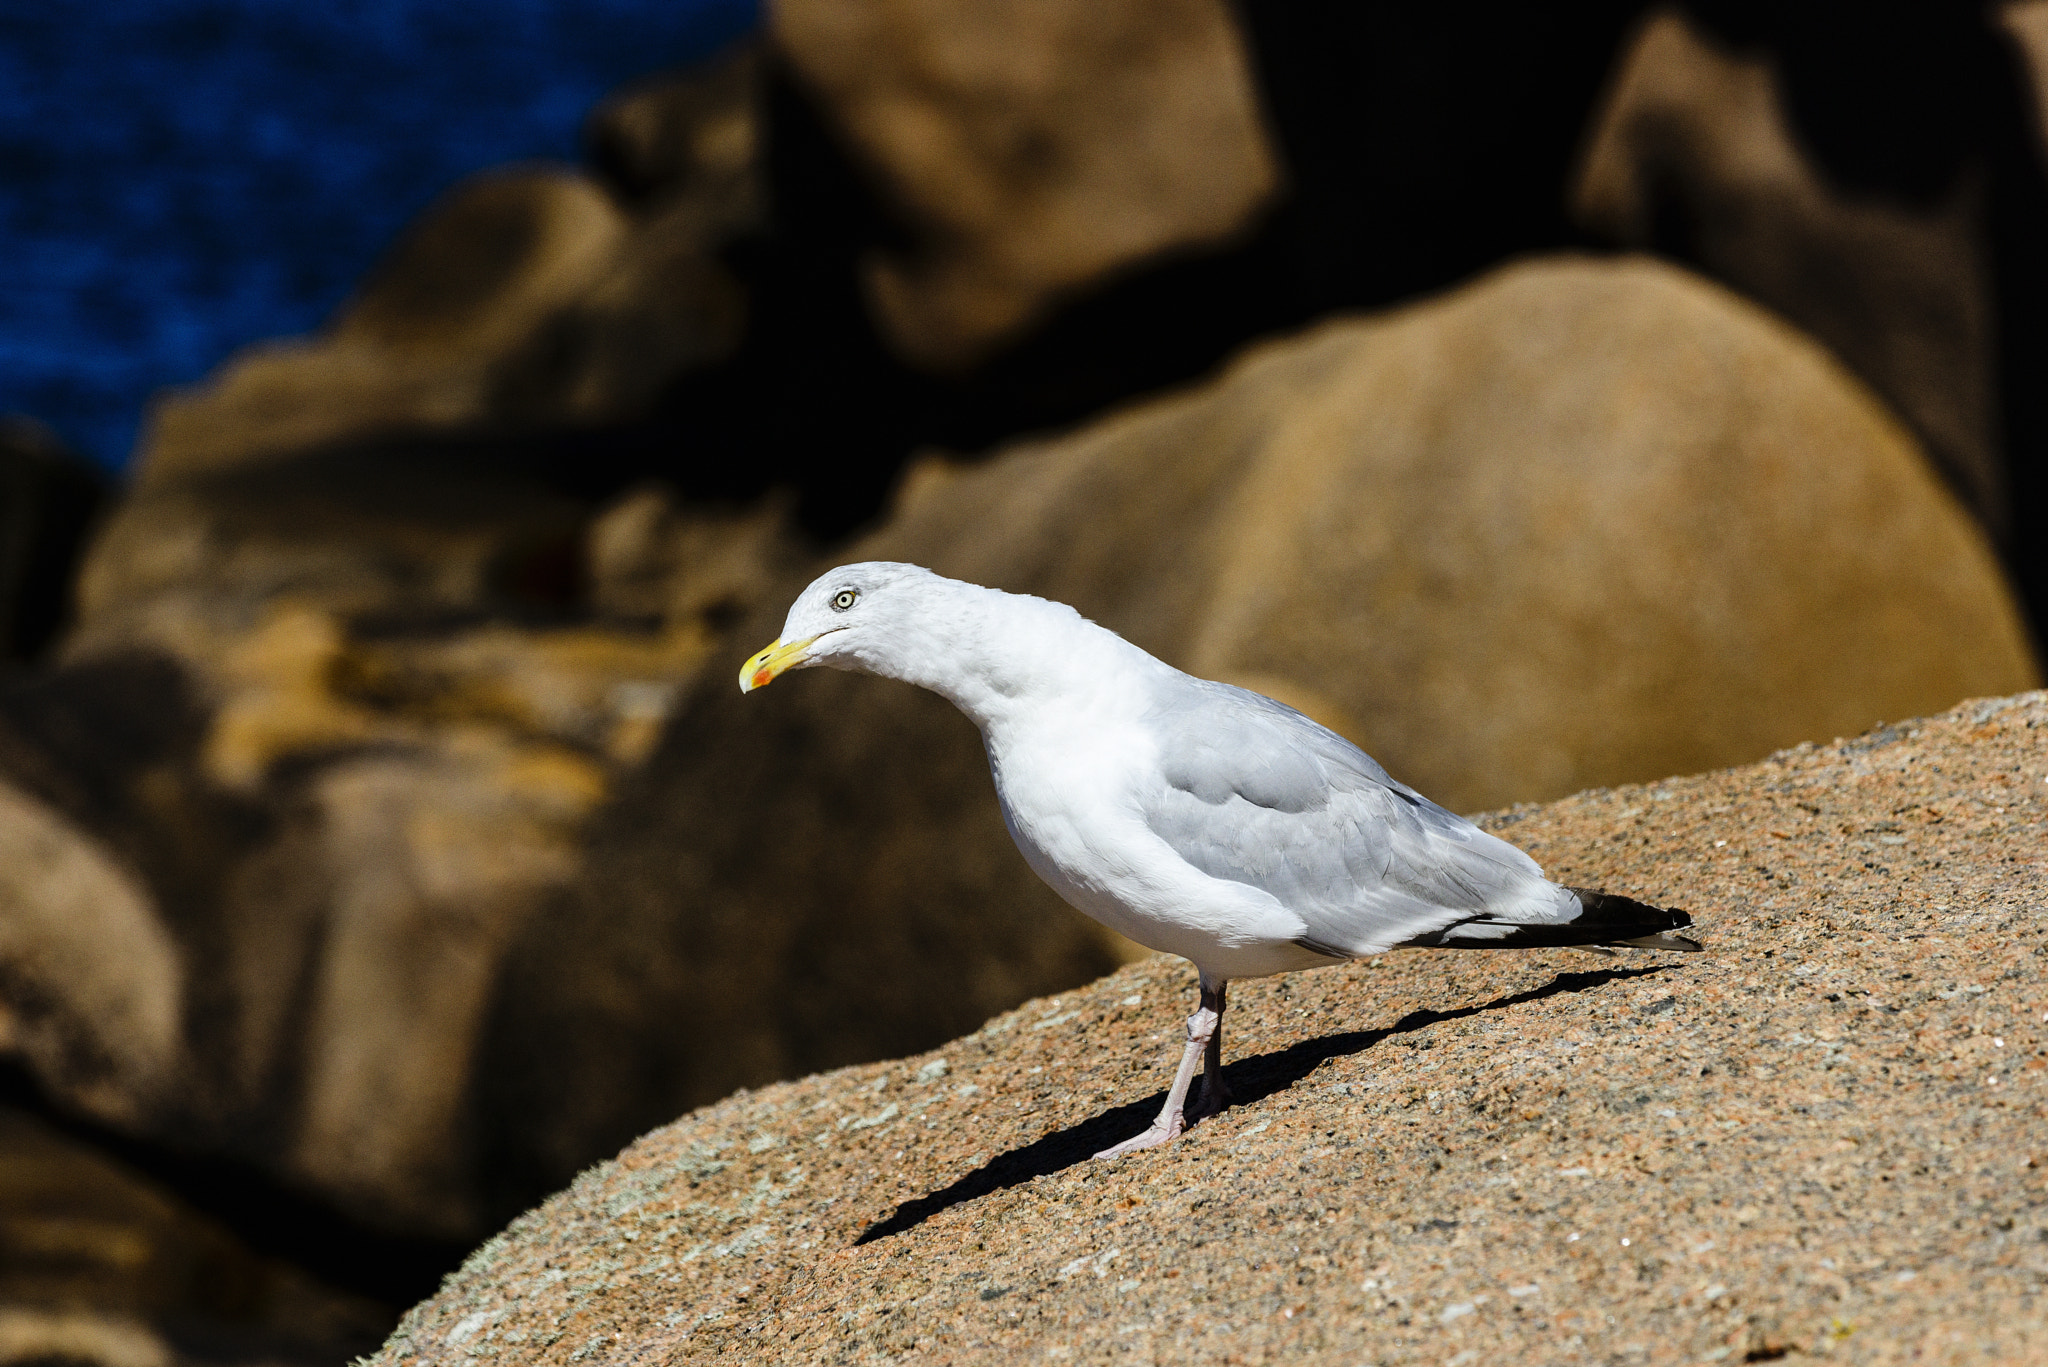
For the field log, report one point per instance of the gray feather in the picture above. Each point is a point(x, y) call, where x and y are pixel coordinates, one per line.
point(1256, 793)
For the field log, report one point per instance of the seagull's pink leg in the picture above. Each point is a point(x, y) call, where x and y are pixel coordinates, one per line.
point(1215, 1096)
point(1204, 1035)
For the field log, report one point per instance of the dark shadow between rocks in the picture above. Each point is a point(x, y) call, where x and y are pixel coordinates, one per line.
point(1250, 1079)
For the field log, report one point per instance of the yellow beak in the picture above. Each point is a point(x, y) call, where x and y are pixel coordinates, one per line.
point(760, 671)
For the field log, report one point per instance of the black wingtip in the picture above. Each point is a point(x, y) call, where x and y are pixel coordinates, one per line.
point(1628, 917)
point(1604, 919)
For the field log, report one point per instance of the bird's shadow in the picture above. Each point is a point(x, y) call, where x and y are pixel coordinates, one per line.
point(1249, 1079)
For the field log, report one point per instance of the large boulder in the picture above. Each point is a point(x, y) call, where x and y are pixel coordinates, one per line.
point(1696, 153)
point(1881, 181)
point(527, 297)
point(1581, 523)
point(1032, 150)
point(1821, 1136)
point(1578, 523)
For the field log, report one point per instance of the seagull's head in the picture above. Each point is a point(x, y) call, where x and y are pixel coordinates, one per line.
point(862, 617)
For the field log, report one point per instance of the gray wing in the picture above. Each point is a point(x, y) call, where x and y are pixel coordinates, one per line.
point(1255, 792)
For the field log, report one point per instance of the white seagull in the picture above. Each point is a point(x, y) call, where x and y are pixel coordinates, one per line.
point(1193, 817)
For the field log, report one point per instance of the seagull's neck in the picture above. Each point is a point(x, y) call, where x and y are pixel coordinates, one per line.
point(1001, 657)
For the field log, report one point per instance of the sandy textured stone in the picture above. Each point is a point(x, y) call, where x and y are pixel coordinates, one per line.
point(1822, 1135)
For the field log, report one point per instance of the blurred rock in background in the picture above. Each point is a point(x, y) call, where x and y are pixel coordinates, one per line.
point(1876, 175)
point(531, 298)
point(386, 822)
point(101, 1263)
point(1032, 150)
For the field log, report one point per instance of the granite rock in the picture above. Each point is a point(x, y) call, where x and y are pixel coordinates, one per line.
point(1820, 1136)
point(1579, 522)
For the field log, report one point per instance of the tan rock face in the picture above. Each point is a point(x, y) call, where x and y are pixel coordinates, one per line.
point(2027, 22)
point(1579, 523)
point(1820, 1136)
point(1696, 133)
point(469, 286)
point(102, 1027)
point(525, 297)
point(309, 765)
point(1033, 148)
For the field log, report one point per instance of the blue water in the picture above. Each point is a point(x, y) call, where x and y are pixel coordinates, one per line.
point(181, 177)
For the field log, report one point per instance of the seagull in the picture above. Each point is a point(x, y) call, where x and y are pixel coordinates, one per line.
point(1191, 816)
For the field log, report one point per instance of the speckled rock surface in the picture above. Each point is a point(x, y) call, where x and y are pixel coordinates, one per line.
point(1823, 1136)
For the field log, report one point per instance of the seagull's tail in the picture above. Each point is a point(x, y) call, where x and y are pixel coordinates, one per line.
point(1604, 920)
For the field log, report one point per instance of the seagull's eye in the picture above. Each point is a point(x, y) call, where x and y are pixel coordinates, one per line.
point(844, 599)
